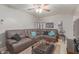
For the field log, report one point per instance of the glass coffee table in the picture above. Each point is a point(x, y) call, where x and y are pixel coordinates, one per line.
point(43, 48)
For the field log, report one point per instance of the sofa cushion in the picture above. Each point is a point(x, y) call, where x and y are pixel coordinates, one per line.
point(11, 41)
point(10, 33)
point(30, 32)
point(21, 45)
point(25, 40)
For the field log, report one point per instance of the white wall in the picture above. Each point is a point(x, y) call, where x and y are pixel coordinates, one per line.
point(67, 23)
point(76, 23)
point(15, 19)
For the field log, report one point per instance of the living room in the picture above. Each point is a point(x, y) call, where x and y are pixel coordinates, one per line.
point(43, 20)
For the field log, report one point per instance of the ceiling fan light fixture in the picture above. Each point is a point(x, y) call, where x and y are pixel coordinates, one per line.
point(39, 10)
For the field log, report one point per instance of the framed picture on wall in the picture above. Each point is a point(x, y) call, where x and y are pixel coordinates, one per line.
point(49, 25)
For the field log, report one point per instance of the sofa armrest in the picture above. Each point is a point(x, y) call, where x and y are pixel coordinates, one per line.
point(11, 41)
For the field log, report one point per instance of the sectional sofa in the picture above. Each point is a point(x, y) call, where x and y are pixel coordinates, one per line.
point(14, 46)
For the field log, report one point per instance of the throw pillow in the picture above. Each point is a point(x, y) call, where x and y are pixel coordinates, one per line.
point(45, 33)
point(16, 37)
point(33, 34)
point(51, 33)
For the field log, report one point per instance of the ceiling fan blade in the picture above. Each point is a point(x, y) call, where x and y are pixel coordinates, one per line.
point(47, 10)
point(30, 9)
point(45, 4)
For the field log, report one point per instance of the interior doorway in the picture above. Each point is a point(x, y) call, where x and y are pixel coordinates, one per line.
point(76, 28)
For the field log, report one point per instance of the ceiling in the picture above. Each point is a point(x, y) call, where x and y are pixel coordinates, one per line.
point(54, 9)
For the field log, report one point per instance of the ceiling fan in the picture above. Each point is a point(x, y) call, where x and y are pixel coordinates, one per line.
point(40, 8)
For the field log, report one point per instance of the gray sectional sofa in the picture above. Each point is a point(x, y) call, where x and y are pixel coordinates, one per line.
point(26, 38)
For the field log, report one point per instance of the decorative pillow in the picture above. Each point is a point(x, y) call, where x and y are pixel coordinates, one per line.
point(33, 34)
point(45, 33)
point(16, 37)
point(51, 33)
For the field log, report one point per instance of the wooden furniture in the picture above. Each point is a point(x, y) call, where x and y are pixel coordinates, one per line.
point(70, 46)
